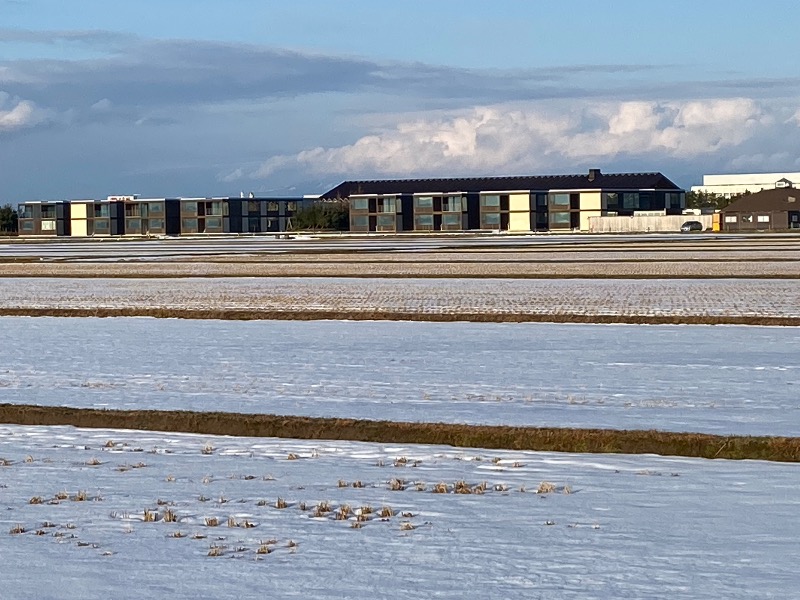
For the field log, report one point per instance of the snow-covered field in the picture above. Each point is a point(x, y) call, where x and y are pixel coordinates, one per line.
point(714, 379)
point(681, 297)
point(119, 514)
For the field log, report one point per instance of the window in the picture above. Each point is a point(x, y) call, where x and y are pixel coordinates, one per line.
point(423, 202)
point(48, 212)
point(747, 218)
point(491, 219)
point(214, 223)
point(360, 204)
point(612, 201)
point(559, 218)
point(101, 225)
point(25, 211)
point(253, 207)
point(155, 225)
point(730, 218)
point(133, 225)
point(763, 218)
point(452, 204)
point(291, 206)
point(559, 199)
point(630, 201)
point(452, 219)
point(101, 210)
point(190, 208)
point(214, 209)
point(491, 200)
point(386, 205)
point(272, 206)
point(360, 220)
point(26, 225)
point(541, 200)
point(386, 222)
point(156, 208)
point(189, 225)
point(423, 222)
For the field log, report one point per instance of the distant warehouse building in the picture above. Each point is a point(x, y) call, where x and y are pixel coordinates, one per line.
point(515, 204)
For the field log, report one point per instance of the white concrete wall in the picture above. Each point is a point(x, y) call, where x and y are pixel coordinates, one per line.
point(645, 224)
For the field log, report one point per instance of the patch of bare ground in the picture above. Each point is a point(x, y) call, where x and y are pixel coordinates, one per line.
point(782, 449)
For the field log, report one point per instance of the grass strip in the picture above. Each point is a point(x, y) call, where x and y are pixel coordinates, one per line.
point(383, 315)
point(551, 439)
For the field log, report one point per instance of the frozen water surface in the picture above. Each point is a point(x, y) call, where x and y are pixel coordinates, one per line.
point(716, 379)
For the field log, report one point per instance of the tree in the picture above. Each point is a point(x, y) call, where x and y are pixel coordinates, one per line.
point(8, 219)
point(709, 200)
point(333, 216)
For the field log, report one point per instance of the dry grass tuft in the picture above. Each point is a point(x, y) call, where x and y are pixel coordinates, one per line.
point(406, 526)
point(386, 512)
point(170, 516)
point(232, 522)
point(292, 456)
point(215, 550)
point(17, 529)
point(263, 549)
point(150, 516)
point(4, 462)
point(207, 449)
point(177, 534)
point(440, 488)
point(109, 444)
point(36, 500)
point(356, 525)
point(567, 489)
point(401, 461)
point(29, 459)
point(358, 484)
point(211, 521)
point(397, 485)
point(170, 478)
point(545, 487)
point(342, 483)
point(247, 524)
point(81, 496)
point(420, 486)
point(462, 487)
point(93, 462)
point(281, 503)
point(322, 509)
point(343, 513)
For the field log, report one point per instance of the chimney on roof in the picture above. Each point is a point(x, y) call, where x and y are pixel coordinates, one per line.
point(594, 174)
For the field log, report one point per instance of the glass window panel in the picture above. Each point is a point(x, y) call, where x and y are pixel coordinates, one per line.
point(386, 220)
point(272, 206)
point(156, 208)
point(213, 223)
point(188, 224)
point(490, 200)
point(730, 218)
point(190, 208)
point(26, 225)
point(559, 218)
point(291, 206)
point(559, 199)
point(630, 200)
point(423, 202)
point(360, 221)
point(360, 204)
point(451, 219)
point(491, 218)
point(133, 225)
point(155, 224)
point(101, 225)
point(763, 218)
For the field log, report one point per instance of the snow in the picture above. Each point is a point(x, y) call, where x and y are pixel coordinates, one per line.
point(639, 297)
point(632, 526)
point(713, 379)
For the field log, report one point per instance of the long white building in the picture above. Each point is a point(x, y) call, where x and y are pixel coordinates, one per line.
point(735, 184)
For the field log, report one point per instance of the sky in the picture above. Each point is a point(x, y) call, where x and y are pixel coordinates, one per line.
point(200, 97)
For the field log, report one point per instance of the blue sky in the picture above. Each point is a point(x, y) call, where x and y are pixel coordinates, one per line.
point(203, 97)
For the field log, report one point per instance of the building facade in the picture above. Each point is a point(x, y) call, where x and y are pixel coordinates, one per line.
point(777, 209)
point(134, 216)
point(737, 184)
point(514, 204)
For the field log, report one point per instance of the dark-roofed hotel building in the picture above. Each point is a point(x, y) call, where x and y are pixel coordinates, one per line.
point(532, 203)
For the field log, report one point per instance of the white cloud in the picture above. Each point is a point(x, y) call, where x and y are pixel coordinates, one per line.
point(17, 114)
point(514, 138)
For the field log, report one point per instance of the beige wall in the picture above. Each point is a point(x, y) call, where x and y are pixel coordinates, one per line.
point(79, 228)
point(78, 210)
point(519, 221)
point(519, 202)
point(585, 216)
point(591, 201)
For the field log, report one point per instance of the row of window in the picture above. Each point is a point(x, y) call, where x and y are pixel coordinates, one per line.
point(747, 218)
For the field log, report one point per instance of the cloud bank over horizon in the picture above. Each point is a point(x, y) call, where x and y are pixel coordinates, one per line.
point(110, 112)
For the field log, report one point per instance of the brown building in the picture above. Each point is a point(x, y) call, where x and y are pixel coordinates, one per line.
point(769, 210)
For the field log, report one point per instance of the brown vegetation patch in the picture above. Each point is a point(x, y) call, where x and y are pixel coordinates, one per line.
point(784, 449)
point(389, 315)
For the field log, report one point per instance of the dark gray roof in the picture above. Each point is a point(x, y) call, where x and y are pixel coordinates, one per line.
point(592, 180)
point(778, 199)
